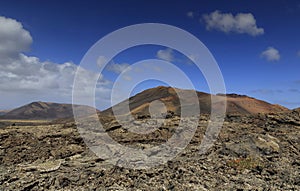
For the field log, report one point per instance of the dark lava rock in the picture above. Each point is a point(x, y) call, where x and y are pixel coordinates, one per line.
point(247, 155)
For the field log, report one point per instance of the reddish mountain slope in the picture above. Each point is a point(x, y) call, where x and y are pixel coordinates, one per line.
point(139, 104)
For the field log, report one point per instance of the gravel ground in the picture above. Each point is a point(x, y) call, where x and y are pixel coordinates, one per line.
point(258, 152)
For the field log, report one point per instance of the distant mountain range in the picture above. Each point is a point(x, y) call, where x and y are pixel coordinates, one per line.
point(297, 109)
point(2, 112)
point(240, 104)
point(46, 111)
point(139, 104)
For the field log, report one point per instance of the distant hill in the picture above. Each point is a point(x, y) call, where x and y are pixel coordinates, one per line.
point(240, 104)
point(46, 111)
point(296, 111)
point(2, 112)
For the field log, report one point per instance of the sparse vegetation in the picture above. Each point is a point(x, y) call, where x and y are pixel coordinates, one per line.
point(245, 163)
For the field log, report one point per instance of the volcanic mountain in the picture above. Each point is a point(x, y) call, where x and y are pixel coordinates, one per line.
point(239, 104)
point(46, 111)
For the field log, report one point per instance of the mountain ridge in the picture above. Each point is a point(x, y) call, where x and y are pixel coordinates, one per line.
point(2, 112)
point(241, 104)
point(140, 103)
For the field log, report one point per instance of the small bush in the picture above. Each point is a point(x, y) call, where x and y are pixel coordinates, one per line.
point(245, 163)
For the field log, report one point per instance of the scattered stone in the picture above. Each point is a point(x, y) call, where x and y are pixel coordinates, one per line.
point(258, 152)
point(47, 166)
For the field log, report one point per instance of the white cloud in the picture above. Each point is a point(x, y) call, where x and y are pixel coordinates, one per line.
point(298, 53)
point(226, 22)
point(271, 54)
point(190, 14)
point(13, 38)
point(111, 65)
point(25, 78)
point(166, 54)
point(127, 78)
point(101, 61)
point(192, 57)
point(118, 68)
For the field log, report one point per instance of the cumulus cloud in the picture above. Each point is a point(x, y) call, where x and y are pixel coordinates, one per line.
point(243, 23)
point(13, 37)
point(101, 61)
point(271, 54)
point(118, 68)
point(26, 78)
point(167, 54)
point(127, 78)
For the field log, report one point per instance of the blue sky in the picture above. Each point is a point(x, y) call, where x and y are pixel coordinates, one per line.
point(260, 59)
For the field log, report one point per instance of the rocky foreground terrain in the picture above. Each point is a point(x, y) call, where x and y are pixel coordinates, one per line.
point(252, 152)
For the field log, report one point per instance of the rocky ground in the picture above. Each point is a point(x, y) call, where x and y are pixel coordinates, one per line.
point(258, 152)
